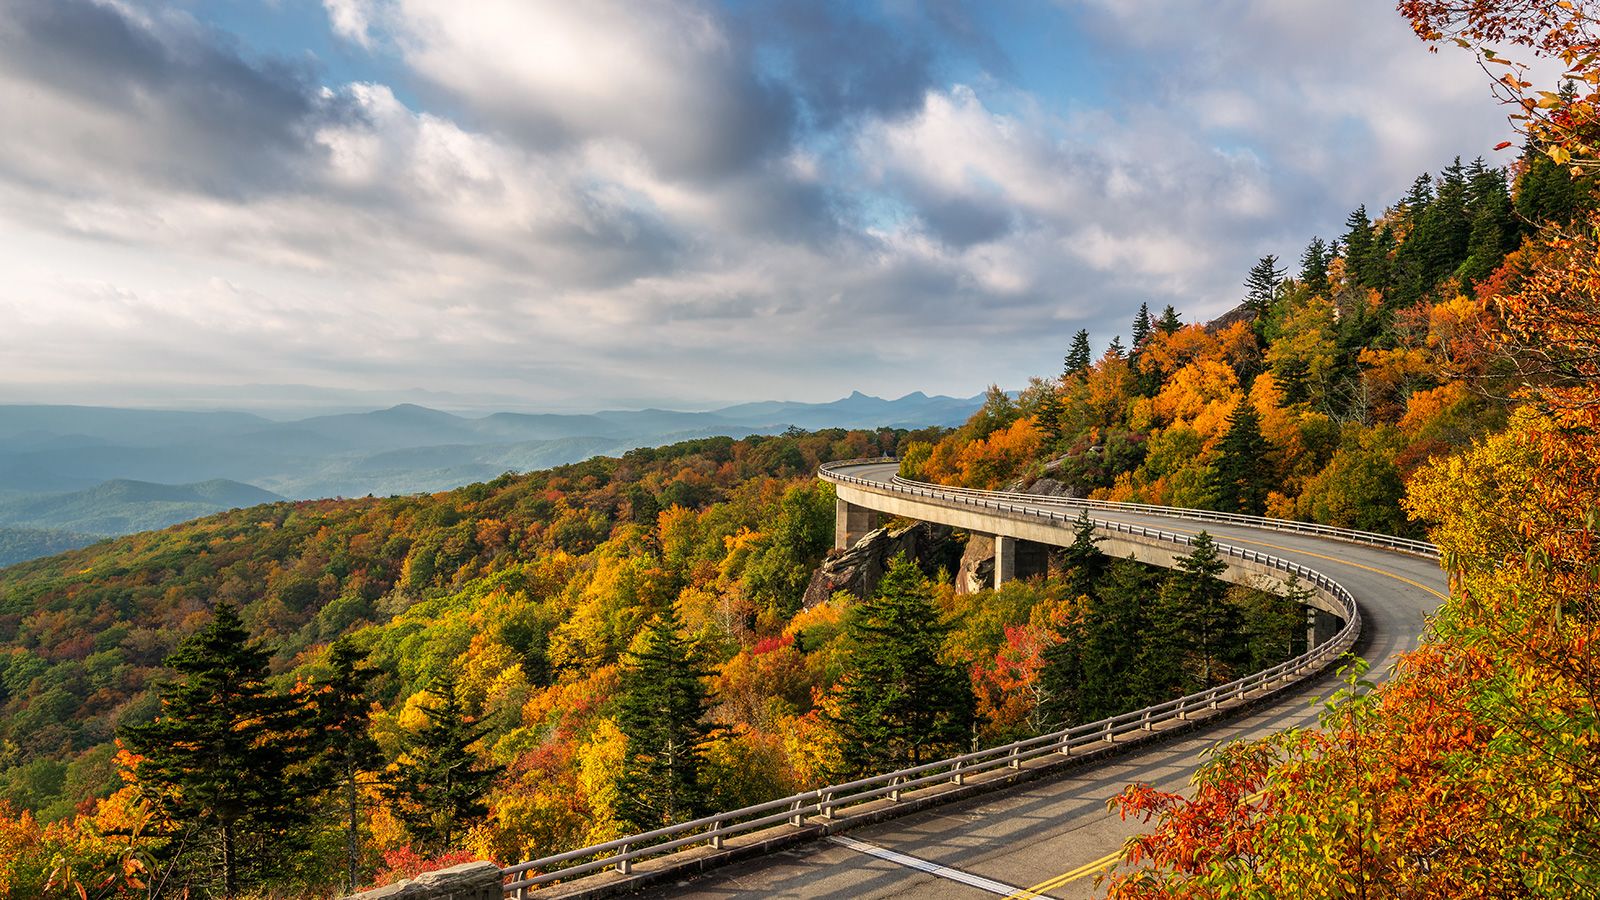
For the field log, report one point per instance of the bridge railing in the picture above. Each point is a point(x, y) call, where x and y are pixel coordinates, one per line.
point(831, 472)
point(830, 801)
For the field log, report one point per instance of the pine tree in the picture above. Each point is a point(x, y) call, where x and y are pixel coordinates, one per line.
point(342, 718)
point(1495, 230)
point(1047, 415)
point(1314, 267)
point(1115, 348)
point(1169, 322)
point(1082, 560)
point(437, 786)
point(1358, 249)
point(1193, 608)
point(1261, 286)
point(225, 763)
point(898, 703)
point(1079, 355)
point(1291, 374)
point(1241, 476)
point(1268, 624)
point(1141, 328)
point(1121, 653)
point(662, 710)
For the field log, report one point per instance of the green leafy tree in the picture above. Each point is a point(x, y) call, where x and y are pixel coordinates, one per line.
point(438, 785)
point(225, 764)
point(898, 703)
point(349, 754)
point(1242, 473)
point(662, 710)
point(1079, 355)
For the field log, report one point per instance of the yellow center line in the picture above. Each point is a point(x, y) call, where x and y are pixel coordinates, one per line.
point(1068, 876)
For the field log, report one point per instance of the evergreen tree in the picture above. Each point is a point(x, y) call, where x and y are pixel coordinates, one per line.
point(1192, 610)
point(342, 719)
point(1261, 286)
point(662, 711)
point(225, 763)
point(1141, 328)
point(1121, 654)
point(1546, 191)
point(1495, 231)
point(1169, 321)
point(1079, 355)
point(1047, 415)
point(1291, 373)
point(1358, 249)
point(1241, 476)
point(437, 786)
point(898, 703)
point(1082, 560)
point(1269, 622)
point(1115, 348)
point(1314, 267)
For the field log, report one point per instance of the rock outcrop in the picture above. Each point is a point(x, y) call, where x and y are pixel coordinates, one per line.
point(860, 568)
point(977, 565)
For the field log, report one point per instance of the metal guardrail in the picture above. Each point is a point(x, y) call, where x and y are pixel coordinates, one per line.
point(1351, 535)
point(827, 802)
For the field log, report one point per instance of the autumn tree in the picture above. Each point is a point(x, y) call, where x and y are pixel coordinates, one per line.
point(661, 709)
point(898, 702)
point(225, 761)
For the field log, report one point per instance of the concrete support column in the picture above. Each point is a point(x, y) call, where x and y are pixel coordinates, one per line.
point(850, 523)
point(1005, 559)
point(1320, 627)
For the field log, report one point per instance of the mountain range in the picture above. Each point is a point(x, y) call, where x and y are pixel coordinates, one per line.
point(71, 474)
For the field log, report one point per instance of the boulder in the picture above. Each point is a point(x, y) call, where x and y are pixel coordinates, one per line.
point(860, 568)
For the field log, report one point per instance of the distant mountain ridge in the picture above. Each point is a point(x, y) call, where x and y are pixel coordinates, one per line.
point(91, 471)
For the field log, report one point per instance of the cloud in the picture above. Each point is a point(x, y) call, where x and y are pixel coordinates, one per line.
point(587, 204)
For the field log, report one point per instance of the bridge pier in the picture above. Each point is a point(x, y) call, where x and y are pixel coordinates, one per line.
point(1016, 558)
point(851, 523)
point(1320, 627)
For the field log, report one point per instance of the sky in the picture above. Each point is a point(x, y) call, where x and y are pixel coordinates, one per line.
point(516, 204)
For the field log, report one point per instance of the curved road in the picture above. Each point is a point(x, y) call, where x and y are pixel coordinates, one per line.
point(1055, 835)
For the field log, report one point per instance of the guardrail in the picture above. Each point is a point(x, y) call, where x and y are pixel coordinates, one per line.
point(923, 488)
point(827, 802)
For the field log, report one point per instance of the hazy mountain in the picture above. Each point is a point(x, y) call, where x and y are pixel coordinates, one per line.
point(123, 506)
point(22, 544)
point(95, 470)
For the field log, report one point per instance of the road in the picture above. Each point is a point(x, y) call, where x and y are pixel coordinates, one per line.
point(1056, 835)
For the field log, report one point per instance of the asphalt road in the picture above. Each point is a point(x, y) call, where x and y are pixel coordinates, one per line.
point(1055, 835)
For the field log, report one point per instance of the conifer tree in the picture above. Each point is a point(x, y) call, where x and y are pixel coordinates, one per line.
point(1169, 321)
point(1141, 327)
point(899, 704)
point(1115, 348)
point(438, 785)
point(1314, 267)
point(224, 764)
point(662, 710)
point(1192, 610)
point(1358, 248)
point(1047, 415)
point(1079, 355)
point(1121, 653)
point(1241, 476)
point(1082, 559)
point(1261, 286)
point(342, 718)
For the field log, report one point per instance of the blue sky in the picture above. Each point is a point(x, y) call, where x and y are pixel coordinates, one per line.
point(518, 204)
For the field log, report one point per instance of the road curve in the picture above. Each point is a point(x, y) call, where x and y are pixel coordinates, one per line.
point(1054, 835)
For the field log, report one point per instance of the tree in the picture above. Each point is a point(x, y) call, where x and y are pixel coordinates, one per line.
point(1141, 327)
point(1115, 350)
point(1358, 248)
point(1261, 286)
point(661, 710)
point(1079, 356)
point(225, 761)
point(1193, 603)
point(898, 704)
point(1314, 267)
point(438, 785)
point(1242, 475)
point(342, 718)
point(1082, 559)
point(1169, 322)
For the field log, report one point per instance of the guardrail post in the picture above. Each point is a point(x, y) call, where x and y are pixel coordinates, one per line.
point(1144, 721)
point(1107, 735)
point(826, 805)
point(956, 775)
point(1014, 762)
point(795, 818)
point(894, 795)
point(625, 864)
point(716, 835)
